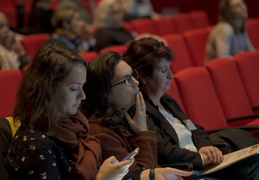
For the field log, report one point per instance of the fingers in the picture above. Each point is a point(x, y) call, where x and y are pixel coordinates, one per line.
point(111, 160)
point(127, 163)
point(138, 108)
point(127, 116)
point(213, 154)
point(140, 103)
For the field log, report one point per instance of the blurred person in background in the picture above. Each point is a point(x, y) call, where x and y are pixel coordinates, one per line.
point(86, 16)
point(229, 36)
point(138, 9)
point(12, 53)
point(71, 30)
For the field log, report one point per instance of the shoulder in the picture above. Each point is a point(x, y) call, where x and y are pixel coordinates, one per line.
point(223, 28)
point(32, 140)
point(97, 128)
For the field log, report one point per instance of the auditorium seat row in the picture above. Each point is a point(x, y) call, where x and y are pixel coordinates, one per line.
point(176, 23)
point(189, 47)
point(223, 93)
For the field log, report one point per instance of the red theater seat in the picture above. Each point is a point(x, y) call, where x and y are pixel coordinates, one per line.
point(196, 40)
point(182, 21)
point(199, 18)
point(182, 56)
point(33, 42)
point(248, 66)
point(117, 48)
point(88, 56)
point(9, 80)
point(144, 25)
point(231, 92)
point(165, 26)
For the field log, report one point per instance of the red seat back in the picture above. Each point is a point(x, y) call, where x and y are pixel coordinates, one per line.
point(182, 21)
point(229, 88)
point(88, 56)
point(199, 18)
point(165, 26)
point(253, 28)
point(182, 57)
point(9, 80)
point(248, 66)
point(33, 42)
point(199, 98)
point(144, 25)
point(117, 48)
point(196, 40)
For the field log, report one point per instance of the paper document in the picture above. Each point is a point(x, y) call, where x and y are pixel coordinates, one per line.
point(232, 158)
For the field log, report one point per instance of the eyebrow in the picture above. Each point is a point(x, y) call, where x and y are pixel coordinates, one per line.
point(125, 76)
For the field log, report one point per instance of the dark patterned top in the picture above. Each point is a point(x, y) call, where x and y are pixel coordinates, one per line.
point(33, 155)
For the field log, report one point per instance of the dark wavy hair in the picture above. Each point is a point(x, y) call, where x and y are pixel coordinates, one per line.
point(36, 106)
point(144, 54)
point(225, 16)
point(100, 74)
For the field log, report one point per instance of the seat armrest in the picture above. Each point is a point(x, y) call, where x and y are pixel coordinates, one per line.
point(182, 166)
point(224, 147)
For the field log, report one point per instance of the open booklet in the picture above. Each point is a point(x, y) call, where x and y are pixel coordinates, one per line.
point(232, 158)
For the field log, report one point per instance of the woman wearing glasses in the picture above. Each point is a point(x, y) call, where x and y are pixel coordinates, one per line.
point(114, 89)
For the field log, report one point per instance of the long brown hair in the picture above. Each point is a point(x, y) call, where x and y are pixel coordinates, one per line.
point(226, 16)
point(36, 106)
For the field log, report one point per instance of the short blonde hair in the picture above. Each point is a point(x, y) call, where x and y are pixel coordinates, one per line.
point(61, 15)
point(102, 18)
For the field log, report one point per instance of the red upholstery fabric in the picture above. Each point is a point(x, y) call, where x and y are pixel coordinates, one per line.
point(174, 93)
point(253, 28)
point(128, 26)
point(88, 56)
point(165, 26)
point(144, 25)
point(196, 40)
point(230, 90)
point(248, 66)
point(9, 80)
point(117, 48)
point(10, 13)
point(199, 18)
point(182, 56)
point(32, 42)
point(199, 98)
point(182, 21)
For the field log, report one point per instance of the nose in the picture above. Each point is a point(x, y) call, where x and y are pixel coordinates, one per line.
point(81, 95)
point(170, 74)
point(135, 82)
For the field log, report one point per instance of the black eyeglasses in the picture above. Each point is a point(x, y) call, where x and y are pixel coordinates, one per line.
point(129, 79)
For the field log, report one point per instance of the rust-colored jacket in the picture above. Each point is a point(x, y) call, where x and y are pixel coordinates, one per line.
point(119, 142)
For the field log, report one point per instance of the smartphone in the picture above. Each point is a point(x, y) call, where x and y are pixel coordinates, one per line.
point(131, 155)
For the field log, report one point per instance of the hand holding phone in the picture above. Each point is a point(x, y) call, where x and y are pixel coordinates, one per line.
point(131, 155)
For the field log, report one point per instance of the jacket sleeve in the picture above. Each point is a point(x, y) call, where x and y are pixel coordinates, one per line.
point(119, 146)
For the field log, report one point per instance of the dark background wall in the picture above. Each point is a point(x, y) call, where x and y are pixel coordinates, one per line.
point(210, 6)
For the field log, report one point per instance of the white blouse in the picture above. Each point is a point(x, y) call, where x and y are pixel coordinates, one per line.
point(183, 133)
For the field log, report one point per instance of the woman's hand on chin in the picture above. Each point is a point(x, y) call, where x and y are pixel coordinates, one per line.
point(138, 122)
